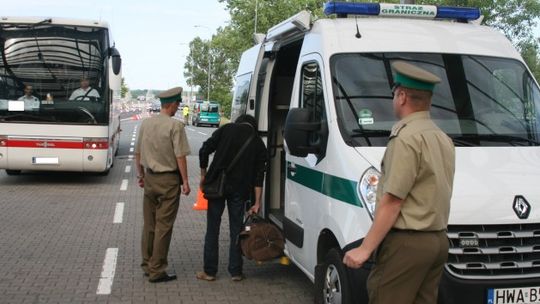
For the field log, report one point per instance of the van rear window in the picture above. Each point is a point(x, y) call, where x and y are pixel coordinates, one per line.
point(481, 101)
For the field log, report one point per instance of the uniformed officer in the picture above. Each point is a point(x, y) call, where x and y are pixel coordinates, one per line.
point(413, 199)
point(160, 156)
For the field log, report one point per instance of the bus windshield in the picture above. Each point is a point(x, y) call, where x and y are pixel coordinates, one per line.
point(481, 101)
point(53, 74)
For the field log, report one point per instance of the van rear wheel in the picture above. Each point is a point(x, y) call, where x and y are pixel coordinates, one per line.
point(333, 281)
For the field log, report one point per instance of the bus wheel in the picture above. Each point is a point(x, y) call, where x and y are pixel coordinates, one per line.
point(13, 172)
point(104, 173)
point(332, 281)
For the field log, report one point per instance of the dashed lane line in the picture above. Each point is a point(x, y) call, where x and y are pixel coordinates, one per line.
point(128, 168)
point(124, 185)
point(118, 213)
point(131, 149)
point(107, 274)
point(202, 133)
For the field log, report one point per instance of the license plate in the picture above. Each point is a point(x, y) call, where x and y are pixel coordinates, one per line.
point(45, 160)
point(526, 295)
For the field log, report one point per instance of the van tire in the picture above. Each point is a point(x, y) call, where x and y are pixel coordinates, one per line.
point(331, 280)
point(13, 172)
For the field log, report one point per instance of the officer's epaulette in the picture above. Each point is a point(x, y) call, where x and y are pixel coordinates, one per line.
point(396, 129)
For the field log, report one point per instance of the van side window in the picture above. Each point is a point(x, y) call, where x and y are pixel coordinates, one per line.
point(312, 92)
point(312, 98)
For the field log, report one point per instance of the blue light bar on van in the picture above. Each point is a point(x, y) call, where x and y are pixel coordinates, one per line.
point(401, 10)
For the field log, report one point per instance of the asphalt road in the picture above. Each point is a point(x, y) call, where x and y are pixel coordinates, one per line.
point(75, 238)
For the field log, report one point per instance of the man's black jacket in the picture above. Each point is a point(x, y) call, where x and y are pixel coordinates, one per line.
point(226, 142)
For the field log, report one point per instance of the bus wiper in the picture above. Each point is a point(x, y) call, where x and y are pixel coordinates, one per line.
point(512, 139)
point(370, 133)
point(24, 115)
point(40, 54)
point(48, 20)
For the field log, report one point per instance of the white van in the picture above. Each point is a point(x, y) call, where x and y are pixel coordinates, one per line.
point(321, 92)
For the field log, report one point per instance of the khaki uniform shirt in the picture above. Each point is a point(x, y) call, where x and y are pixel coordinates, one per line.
point(418, 167)
point(161, 140)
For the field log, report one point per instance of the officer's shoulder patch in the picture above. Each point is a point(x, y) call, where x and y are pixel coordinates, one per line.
point(396, 129)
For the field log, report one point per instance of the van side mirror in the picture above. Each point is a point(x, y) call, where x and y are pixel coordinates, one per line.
point(116, 60)
point(299, 126)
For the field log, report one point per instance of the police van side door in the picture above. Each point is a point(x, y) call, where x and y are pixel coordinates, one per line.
point(304, 182)
point(246, 82)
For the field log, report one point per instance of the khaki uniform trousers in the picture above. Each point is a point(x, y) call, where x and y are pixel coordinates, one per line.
point(160, 206)
point(408, 268)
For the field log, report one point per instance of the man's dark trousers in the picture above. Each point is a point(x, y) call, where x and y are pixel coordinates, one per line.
point(235, 206)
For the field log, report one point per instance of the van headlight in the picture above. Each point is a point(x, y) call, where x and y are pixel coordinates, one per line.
point(367, 187)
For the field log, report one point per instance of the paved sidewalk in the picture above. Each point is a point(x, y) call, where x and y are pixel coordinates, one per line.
point(55, 229)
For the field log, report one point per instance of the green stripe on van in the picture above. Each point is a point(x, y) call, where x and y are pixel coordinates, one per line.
point(329, 185)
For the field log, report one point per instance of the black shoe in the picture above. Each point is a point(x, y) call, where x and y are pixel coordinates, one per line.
point(164, 278)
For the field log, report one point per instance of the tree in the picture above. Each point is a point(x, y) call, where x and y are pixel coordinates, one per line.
point(530, 51)
point(124, 88)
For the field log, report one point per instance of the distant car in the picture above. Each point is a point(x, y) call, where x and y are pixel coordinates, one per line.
point(206, 113)
point(155, 107)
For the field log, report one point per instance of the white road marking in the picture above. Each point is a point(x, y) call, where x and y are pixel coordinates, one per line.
point(128, 168)
point(202, 133)
point(131, 149)
point(130, 157)
point(118, 213)
point(107, 274)
point(132, 143)
point(190, 129)
point(124, 185)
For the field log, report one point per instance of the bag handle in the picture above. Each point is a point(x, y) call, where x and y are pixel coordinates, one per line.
point(240, 152)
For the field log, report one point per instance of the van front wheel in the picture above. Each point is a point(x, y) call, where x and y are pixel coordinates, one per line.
point(332, 280)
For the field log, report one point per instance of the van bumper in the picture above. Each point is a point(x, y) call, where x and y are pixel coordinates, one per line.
point(452, 290)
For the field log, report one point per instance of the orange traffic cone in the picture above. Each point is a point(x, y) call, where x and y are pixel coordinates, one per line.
point(201, 203)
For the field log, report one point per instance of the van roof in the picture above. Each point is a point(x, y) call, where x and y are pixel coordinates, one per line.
point(407, 35)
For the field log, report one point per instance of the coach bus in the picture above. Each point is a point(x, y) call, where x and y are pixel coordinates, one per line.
point(59, 95)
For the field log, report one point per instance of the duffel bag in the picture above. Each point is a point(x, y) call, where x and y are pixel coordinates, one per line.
point(261, 240)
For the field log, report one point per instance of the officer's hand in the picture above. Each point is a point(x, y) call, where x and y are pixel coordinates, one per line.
point(185, 189)
point(356, 257)
point(141, 182)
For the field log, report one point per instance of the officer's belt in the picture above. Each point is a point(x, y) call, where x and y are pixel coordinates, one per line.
point(396, 230)
point(165, 172)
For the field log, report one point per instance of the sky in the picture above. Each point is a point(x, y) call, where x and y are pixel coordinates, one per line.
point(152, 36)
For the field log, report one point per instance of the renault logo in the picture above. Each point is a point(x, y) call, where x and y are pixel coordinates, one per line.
point(521, 207)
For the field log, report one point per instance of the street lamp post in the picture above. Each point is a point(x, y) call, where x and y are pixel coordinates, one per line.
point(191, 72)
point(209, 60)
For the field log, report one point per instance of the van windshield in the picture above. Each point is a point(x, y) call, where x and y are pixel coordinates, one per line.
point(481, 101)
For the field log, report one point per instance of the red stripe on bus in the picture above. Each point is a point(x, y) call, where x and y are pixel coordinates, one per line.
point(52, 144)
